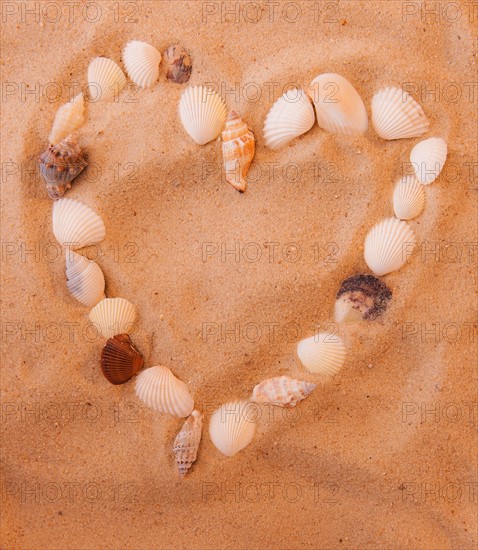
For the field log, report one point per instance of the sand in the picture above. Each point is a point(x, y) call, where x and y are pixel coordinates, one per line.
point(381, 456)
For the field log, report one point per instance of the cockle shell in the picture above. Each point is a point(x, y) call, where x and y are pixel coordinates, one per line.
point(232, 427)
point(202, 113)
point(84, 278)
point(68, 118)
point(324, 353)
point(113, 316)
point(178, 64)
point(388, 245)
point(76, 225)
point(186, 444)
point(396, 115)
point(339, 108)
point(120, 360)
point(238, 148)
point(141, 61)
point(291, 116)
point(428, 158)
point(408, 198)
point(160, 390)
point(105, 79)
point(282, 391)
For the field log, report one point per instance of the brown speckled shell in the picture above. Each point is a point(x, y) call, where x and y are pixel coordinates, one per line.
point(178, 64)
point(120, 360)
point(366, 293)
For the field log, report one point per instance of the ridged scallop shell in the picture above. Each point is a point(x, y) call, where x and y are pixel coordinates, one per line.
point(238, 148)
point(408, 198)
point(186, 444)
point(113, 316)
point(282, 391)
point(160, 390)
point(178, 64)
point(76, 225)
point(428, 158)
point(291, 116)
point(324, 353)
point(202, 113)
point(68, 118)
point(141, 61)
point(396, 115)
point(120, 360)
point(388, 245)
point(338, 106)
point(84, 278)
point(232, 427)
point(105, 79)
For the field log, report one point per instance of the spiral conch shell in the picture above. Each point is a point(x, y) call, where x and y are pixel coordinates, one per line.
point(187, 442)
point(238, 148)
point(282, 391)
point(68, 118)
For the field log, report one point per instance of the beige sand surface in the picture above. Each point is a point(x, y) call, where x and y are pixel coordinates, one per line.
point(364, 462)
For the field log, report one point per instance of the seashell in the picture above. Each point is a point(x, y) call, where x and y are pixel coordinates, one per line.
point(120, 360)
point(59, 166)
point(238, 148)
point(428, 158)
point(76, 225)
point(361, 297)
point(388, 245)
point(141, 61)
point(105, 79)
point(84, 278)
point(113, 316)
point(291, 116)
point(282, 391)
point(231, 427)
point(178, 64)
point(68, 118)
point(338, 106)
point(408, 198)
point(396, 115)
point(186, 444)
point(324, 353)
point(202, 113)
point(158, 388)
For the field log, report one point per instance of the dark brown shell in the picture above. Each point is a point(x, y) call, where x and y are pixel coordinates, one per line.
point(178, 64)
point(120, 360)
point(367, 294)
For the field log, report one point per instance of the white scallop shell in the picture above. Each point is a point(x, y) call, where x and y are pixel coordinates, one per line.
point(105, 79)
point(339, 108)
point(141, 61)
point(428, 158)
point(85, 279)
point(291, 116)
point(202, 113)
point(396, 115)
point(113, 316)
point(232, 427)
point(160, 390)
point(76, 225)
point(408, 198)
point(68, 118)
point(388, 245)
point(324, 353)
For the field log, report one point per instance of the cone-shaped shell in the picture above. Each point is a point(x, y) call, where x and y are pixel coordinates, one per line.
point(232, 427)
point(187, 441)
point(105, 79)
point(178, 64)
point(113, 316)
point(428, 158)
point(238, 148)
point(324, 353)
point(120, 360)
point(85, 279)
point(141, 61)
point(408, 198)
point(282, 391)
point(68, 118)
point(76, 225)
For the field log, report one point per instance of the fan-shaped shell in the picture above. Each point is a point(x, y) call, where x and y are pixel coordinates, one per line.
point(388, 245)
point(85, 279)
point(282, 391)
point(187, 442)
point(232, 427)
point(408, 198)
point(76, 225)
point(428, 158)
point(105, 79)
point(324, 353)
point(160, 390)
point(141, 61)
point(120, 360)
point(202, 113)
point(68, 118)
point(113, 316)
point(238, 148)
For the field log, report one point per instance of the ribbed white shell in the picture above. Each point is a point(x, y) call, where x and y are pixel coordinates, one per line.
point(396, 115)
point(141, 61)
point(291, 116)
point(68, 118)
point(324, 353)
point(160, 390)
point(76, 225)
point(232, 427)
point(339, 108)
point(408, 198)
point(113, 316)
point(85, 279)
point(388, 245)
point(428, 158)
point(202, 113)
point(105, 79)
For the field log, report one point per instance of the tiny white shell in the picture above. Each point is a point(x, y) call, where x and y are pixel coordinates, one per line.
point(232, 427)
point(324, 353)
point(388, 245)
point(141, 61)
point(160, 390)
point(68, 118)
point(428, 158)
point(202, 113)
point(113, 316)
point(76, 225)
point(408, 198)
point(105, 79)
point(85, 279)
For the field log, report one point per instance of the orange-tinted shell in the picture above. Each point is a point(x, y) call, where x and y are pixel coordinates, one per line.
point(120, 360)
point(238, 148)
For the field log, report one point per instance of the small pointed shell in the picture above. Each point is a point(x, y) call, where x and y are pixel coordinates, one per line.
point(85, 279)
point(324, 353)
point(186, 444)
point(68, 118)
point(428, 158)
point(388, 245)
point(76, 225)
point(232, 427)
point(120, 360)
point(105, 79)
point(113, 316)
point(408, 198)
point(238, 148)
point(178, 64)
point(282, 391)
point(141, 61)
point(160, 390)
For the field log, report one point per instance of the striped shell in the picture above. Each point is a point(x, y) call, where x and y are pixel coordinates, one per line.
point(428, 158)
point(76, 225)
point(324, 353)
point(68, 118)
point(238, 147)
point(85, 279)
point(186, 444)
point(113, 316)
point(105, 79)
point(282, 391)
point(232, 427)
point(408, 198)
point(141, 61)
point(120, 360)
